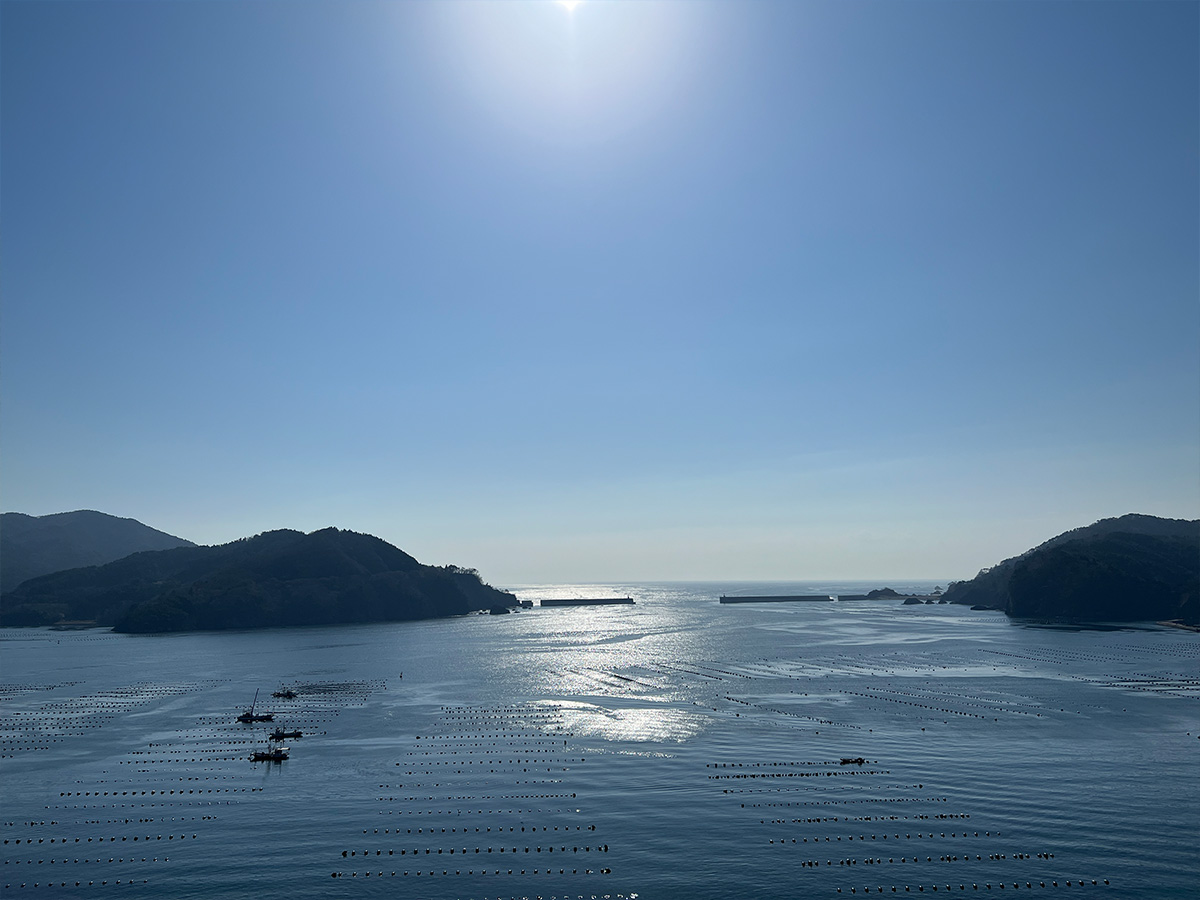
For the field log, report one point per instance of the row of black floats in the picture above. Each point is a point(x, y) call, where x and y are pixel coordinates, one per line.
point(274, 752)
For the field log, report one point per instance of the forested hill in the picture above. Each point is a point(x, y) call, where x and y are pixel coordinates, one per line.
point(274, 579)
point(37, 545)
point(1125, 569)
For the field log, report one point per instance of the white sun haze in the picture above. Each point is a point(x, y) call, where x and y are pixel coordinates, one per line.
point(569, 4)
point(545, 79)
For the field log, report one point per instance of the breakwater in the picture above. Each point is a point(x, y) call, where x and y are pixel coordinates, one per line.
point(781, 598)
point(589, 601)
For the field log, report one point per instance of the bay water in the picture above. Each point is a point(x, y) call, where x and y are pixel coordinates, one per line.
point(673, 748)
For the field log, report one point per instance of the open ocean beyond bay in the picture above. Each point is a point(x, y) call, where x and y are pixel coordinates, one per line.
point(677, 748)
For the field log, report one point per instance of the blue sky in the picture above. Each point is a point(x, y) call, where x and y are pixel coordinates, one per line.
point(637, 291)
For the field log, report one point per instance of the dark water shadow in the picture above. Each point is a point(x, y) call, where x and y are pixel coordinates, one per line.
point(1086, 626)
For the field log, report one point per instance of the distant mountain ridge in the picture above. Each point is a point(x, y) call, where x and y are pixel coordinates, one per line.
point(1130, 568)
point(277, 578)
point(38, 545)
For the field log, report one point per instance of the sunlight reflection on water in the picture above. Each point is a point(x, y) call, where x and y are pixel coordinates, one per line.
point(631, 723)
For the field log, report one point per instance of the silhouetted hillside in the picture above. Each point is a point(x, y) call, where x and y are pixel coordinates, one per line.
point(274, 579)
point(1126, 569)
point(37, 545)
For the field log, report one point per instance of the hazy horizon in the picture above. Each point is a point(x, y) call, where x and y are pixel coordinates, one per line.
point(630, 292)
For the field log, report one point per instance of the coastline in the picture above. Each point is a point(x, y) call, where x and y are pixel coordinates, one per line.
point(1177, 623)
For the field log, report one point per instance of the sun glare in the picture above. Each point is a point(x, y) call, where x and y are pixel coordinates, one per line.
point(549, 79)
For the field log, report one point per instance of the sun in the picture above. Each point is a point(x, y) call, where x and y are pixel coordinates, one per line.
point(569, 4)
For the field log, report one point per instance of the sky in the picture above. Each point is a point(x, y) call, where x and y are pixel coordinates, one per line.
point(633, 291)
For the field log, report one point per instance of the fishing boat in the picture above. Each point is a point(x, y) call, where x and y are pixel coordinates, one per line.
point(285, 694)
point(280, 735)
point(273, 754)
point(251, 716)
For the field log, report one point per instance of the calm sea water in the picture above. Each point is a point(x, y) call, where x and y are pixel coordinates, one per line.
point(677, 748)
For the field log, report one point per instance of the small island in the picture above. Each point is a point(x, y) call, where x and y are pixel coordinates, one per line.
point(278, 578)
